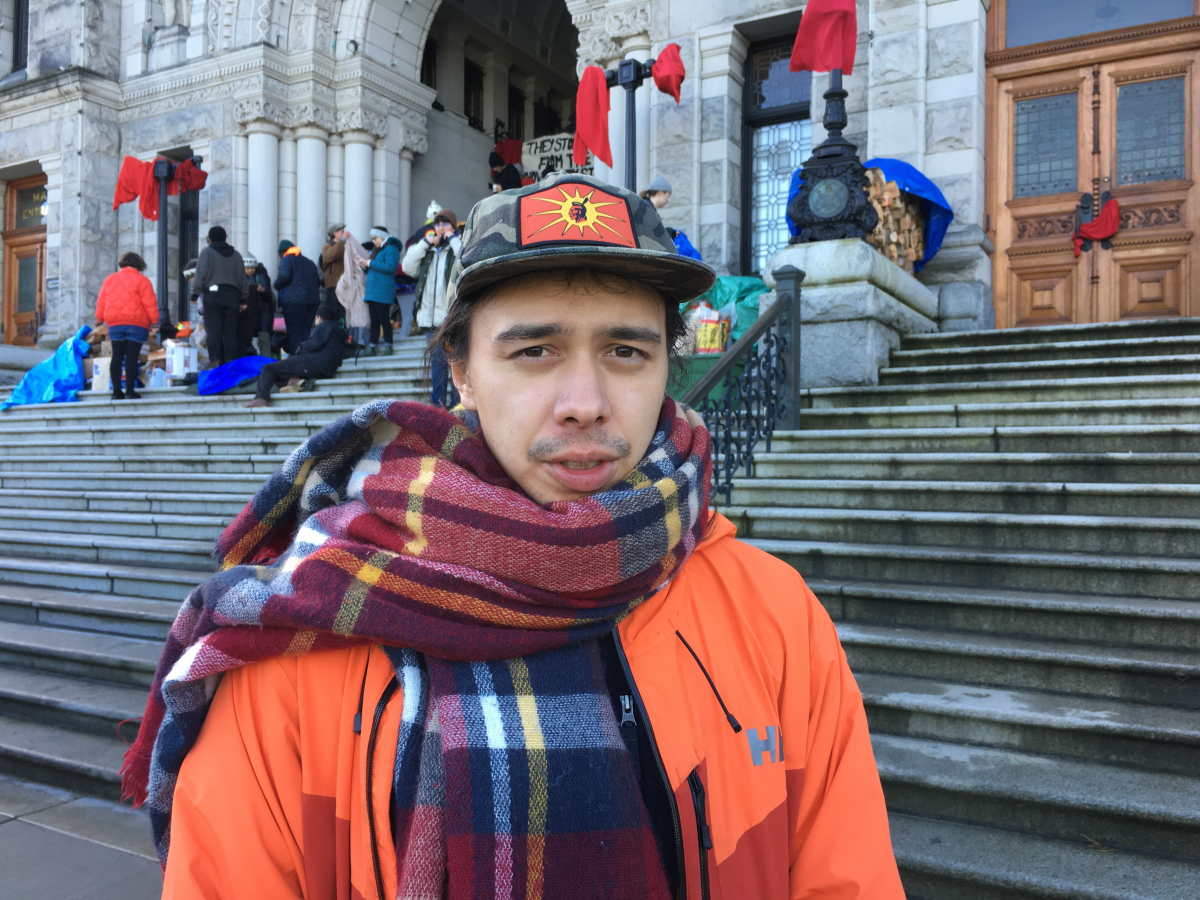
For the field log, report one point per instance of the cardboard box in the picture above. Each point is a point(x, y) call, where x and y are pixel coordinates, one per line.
point(182, 359)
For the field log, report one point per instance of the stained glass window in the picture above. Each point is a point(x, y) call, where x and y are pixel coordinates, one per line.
point(772, 84)
point(1150, 132)
point(776, 151)
point(1044, 136)
point(1033, 21)
point(27, 284)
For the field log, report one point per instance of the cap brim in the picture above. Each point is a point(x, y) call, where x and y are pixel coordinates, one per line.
point(680, 278)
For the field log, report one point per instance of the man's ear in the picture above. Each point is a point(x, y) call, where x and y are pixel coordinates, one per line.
point(462, 383)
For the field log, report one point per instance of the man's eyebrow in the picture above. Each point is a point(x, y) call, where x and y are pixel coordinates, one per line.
point(530, 332)
point(632, 333)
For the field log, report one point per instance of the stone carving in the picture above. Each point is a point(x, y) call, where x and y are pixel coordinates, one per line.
point(189, 100)
point(1044, 226)
point(262, 23)
point(177, 12)
point(254, 108)
point(1152, 216)
point(308, 114)
point(627, 22)
point(212, 24)
point(361, 120)
point(416, 141)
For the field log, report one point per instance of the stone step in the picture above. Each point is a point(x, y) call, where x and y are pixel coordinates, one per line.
point(14, 434)
point(1071, 468)
point(81, 654)
point(1111, 576)
point(265, 463)
point(1146, 812)
point(148, 502)
point(217, 417)
point(1136, 735)
point(1068, 617)
point(1053, 439)
point(1054, 334)
point(914, 354)
point(1161, 677)
point(118, 524)
point(942, 860)
point(1025, 498)
point(87, 611)
point(80, 704)
point(1133, 411)
point(159, 482)
point(1079, 371)
point(103, 548)
point(122, 579)
point(63, 757)
point(1005, 392)
point(1003, 532)
point(146, 443)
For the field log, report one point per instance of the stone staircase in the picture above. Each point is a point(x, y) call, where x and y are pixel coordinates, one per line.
point(1005, 531)
point(1007, 534)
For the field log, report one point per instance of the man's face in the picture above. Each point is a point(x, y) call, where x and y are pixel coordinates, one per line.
point(568, 383)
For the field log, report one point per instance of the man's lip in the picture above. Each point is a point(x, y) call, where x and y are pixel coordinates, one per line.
point(581, 456)
point(583, 481)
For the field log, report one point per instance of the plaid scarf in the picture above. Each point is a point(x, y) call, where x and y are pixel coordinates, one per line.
point(395, 525)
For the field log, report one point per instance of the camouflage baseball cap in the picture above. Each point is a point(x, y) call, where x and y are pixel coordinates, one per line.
point(571, 221)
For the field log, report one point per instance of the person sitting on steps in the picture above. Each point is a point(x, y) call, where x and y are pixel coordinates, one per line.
point(318, 357)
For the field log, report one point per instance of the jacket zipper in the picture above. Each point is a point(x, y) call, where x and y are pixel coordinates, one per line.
point(379, 708)
point(703, 835)
point(662, 769)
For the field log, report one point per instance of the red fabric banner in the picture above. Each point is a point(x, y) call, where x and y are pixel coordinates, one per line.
point(591, 118)
point(136, 182)
point(187, 178)
point(668, 71)
point(1100, 228)
point(827, 37)
point(510, 150)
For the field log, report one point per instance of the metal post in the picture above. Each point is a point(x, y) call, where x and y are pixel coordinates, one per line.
point(163, 170)
point(630, 137)
point(787, 287)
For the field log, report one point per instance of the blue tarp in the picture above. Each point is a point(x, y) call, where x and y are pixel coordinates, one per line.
point(57, 379)
point(938, 214)
point(684, 246)
point(230, 375)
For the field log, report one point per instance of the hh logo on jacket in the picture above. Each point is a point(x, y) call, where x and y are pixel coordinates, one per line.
point(761, 747)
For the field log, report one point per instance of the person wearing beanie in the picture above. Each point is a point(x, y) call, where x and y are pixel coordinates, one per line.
point(255, 320)
point(320, 356)
point(430, 261)
point(381, 289)
point(221, 281)
point(505, 176)
point(658, 193)
point(298, 285)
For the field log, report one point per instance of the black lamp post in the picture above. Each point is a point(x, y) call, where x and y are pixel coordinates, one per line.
point(164, 171)
point(832, 203)
point(630, 74)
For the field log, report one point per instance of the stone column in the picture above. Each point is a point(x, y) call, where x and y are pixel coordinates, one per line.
point(616, 136)
point(262, 193)
point(311, 186)
point(530, 97)
point(359, 174)
point(381, 181)
point(495, 90)
point(287, 185)
point(406, 226)
point(241, 201)
point(335, 196)
point(638, 47)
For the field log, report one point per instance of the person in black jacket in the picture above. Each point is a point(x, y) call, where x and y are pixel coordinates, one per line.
point(318, 357)
point(260, 306)
point(299, 288)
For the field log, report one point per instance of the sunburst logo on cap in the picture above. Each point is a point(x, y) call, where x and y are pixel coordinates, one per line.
point(583, 214)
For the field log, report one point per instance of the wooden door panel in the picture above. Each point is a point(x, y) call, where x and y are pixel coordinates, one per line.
point(1151, 285)
point(1044, 291)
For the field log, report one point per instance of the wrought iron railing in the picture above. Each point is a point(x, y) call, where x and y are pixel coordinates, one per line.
point(763, 395)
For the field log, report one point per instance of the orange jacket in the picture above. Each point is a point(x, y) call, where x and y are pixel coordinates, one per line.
point(271, 800)
point(127, 298)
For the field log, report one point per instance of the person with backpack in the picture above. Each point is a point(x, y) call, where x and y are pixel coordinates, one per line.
point(318, 357)
point(381, 289)
point(299, 287)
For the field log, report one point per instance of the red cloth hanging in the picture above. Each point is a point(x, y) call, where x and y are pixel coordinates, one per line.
point(591, 118)
point(136, 181)
point(510, 150)
point(668, 71)
point(827, 37)
point(187, 178)
point(1100, 228)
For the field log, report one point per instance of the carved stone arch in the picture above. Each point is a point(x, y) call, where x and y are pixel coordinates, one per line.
point(310, 25)
point(372, 25)
point(251, 23)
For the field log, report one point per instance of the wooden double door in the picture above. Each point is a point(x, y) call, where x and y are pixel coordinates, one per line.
point(1070, 129)
point(24, 278)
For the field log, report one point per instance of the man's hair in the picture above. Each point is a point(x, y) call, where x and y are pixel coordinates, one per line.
point(454, 334)
point(133, 261)
point(216, 234)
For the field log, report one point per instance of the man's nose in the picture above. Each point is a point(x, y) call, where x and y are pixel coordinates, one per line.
point(583, 401)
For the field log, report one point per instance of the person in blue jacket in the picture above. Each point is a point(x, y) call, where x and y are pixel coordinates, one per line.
point(299, 287)
point(381, 289)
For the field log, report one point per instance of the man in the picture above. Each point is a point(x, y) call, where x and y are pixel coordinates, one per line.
point(220, 281)
point(299, 286)
point(430, 261)
point(318, 357)
point(380, 292)
point(260, 304)
point(333, 261)
point(505, 176)
point(508, 651)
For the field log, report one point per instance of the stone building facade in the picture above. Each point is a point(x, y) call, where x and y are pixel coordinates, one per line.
point(282, 95)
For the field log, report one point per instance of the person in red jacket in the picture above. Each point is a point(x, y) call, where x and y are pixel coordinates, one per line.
point(128, 307)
